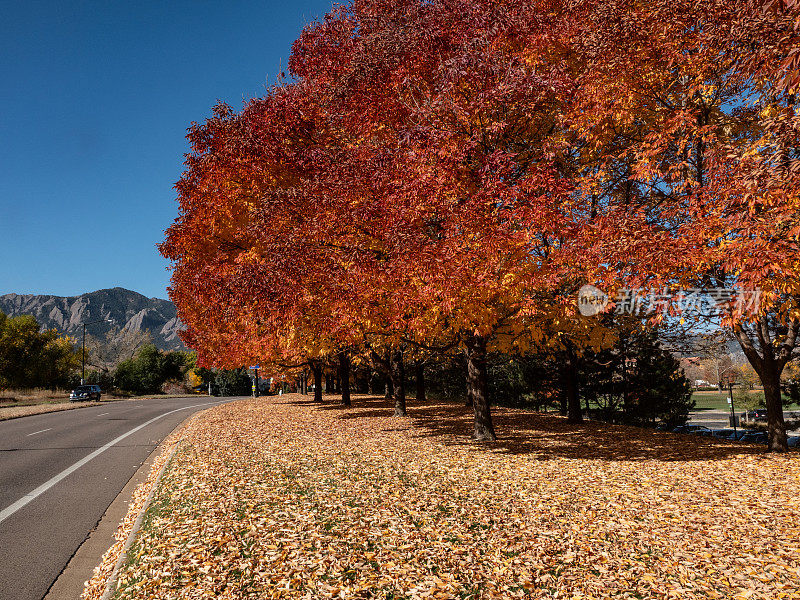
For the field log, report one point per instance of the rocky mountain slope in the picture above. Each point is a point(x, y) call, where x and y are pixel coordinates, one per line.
point(127, 311)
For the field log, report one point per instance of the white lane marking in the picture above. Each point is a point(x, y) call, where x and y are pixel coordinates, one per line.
point(102, 414)
point(42, 431)
point(30, 496)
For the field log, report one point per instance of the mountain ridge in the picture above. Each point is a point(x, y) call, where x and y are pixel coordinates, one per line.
point(128, 311)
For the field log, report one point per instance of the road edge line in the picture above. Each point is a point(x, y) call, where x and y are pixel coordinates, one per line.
point(111, 583)
point(125, 496)
point(108, 582)
point(35, 493)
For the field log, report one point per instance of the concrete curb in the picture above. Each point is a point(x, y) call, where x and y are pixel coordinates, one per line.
point(111, 582)
point(71, 582)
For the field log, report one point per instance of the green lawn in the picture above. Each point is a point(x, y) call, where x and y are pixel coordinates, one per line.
point(715, 400)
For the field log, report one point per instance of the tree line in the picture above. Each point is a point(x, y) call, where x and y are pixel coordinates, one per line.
point(32, 358)
point(126, 363)
point(635, 381)
point(154, 371)
point(441, 178)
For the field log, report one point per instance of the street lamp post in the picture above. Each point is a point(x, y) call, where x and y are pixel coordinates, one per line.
point(83, 347)
point(256, 391)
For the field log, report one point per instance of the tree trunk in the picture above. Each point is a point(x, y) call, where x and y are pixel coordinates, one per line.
point(626, 400)
point(769, 363)
point(344, 377)
point(316, 368)
point(398, 375)
point(373, 383)
point(477, 388)
point(388, 393)
point(563, 400)
point(776, 426)
point(421, 382)
point(574, 414)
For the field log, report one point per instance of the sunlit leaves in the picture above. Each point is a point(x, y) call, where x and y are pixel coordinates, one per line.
point(287, 500)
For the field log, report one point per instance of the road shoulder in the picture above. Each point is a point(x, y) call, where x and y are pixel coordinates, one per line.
point(16, 412)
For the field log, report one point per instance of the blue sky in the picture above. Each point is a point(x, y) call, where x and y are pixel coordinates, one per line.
point(96, 98)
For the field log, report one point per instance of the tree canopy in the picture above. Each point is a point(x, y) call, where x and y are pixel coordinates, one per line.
point(444, 176)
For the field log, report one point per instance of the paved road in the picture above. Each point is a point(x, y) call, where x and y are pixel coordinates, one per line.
point(58, 474)
point(718, 419)
point(713, 419)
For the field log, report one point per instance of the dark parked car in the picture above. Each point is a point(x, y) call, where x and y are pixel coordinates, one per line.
point(754, 437)
point(722, 433)
point(84, 393)
point(695, 429)
point(794, 441)
point(759, 414)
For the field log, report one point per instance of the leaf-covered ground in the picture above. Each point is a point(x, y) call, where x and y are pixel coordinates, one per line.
point(281, 498)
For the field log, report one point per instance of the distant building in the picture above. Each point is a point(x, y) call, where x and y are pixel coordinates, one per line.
point(700, 383)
